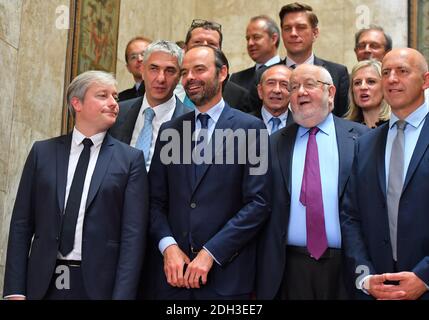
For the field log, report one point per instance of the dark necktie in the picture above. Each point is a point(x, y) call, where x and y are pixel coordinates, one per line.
point(395, 183)
point(311, 198)
point(73, 201)
point(202, 137)
point(275, 124)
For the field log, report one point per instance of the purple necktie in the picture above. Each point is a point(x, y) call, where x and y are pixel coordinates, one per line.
point(311, 198)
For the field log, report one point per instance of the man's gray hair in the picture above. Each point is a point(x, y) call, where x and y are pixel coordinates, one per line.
point(270, 26)
point(168, 47)
point(325, 75)
point(80, 85)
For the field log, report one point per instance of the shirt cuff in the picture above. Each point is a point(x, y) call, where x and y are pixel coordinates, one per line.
point(211, 255)
point(165, 242)
point(361, 287)
point(14, 296)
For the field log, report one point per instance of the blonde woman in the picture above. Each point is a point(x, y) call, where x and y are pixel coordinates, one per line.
point(367, 105)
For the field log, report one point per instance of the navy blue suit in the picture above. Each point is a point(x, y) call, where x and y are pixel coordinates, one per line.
point(273, 240)
point(364, 218)
point(223, 210)
point(115, 224)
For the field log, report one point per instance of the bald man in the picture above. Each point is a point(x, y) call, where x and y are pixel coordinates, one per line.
point(295, 261)
point(384, 220)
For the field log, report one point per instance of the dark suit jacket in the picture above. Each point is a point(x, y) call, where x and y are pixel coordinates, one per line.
point(236, 96)
point(364, 218)
point(128, 113)
point(273, 239)
point(131, 93)
point(223, 211)
point(244, 78)
point(340, 77)
point(115, 224)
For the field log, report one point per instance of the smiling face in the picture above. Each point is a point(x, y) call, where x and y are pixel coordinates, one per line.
point(135, 58)
point(161, 75)
point(298, 34)
point(261, 47)
point(366, 87)
point(273, 89)
point(311, 100)
point(98, 110)
point(371, 45)
point(404, 79)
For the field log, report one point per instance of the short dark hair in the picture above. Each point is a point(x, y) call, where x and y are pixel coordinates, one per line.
point(387, 46)
point(271, 26)
point(299, 7)
point(207, 25)
point(138, 38)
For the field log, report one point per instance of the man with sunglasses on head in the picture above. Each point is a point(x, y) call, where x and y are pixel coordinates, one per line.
point(209, 33)
point(134, 59)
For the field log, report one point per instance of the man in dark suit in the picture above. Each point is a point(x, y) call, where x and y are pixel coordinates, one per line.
point(300, 248)
point(205, 215)
point(161, 72)
point(273, 89)
point(385, 218)
point(134, 59)
point(209, 33)
point(263, 40)
point(80, 219)
point(300, 30)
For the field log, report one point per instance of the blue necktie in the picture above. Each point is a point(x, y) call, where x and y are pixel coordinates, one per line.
point(275, 124)
point(144, 139)
point(204, 120)
point(73, 201)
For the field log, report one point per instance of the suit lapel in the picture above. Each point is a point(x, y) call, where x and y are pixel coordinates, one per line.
point(345, 142)
point(224, 122)
point(419, 151)
point(284, 150)
point(101, 166)
point(63, 155)
point(130, 121)
point(381, 164)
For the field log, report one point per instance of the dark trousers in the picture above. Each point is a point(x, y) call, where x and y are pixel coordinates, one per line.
point(67, 282)
point(308, 279)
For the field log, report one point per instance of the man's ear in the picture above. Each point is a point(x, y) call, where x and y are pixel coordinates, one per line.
point(426, 80)
point(315, 33)
point(259, 87)
point(76, 104)
point(223, 73)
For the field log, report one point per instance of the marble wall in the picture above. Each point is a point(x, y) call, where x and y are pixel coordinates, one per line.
point(33, 51)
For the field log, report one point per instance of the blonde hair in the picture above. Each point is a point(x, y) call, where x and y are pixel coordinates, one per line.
point(355, 112)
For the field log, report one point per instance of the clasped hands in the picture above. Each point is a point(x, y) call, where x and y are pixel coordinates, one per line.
point(176, 262)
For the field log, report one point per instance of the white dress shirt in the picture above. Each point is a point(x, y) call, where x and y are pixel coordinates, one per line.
point(163, 112)
point(75, 151)
point(273, 60)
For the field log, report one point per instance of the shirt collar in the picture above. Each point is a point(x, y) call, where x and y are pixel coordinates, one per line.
point(290, 62)
point(327, 126)
point(414, 119)
point(96, 139)
point(214, 112)
point(267, 116)
point(161, 109)
point(273, 60)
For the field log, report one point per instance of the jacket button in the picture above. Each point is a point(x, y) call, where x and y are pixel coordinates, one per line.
point(57, 238)
point(193, 205)
point(184, 234)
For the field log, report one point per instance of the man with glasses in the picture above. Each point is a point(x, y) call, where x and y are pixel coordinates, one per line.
point(300, 248)
point(134, 59)
point(372, 43)
point(209, 33)
point(299, 25)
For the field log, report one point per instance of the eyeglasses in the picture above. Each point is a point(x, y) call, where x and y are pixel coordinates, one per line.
point(198, 23)
point(135, 55)
point(308, 85)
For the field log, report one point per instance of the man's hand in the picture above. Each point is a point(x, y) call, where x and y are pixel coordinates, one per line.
point(198, 268)
point(410, 287)
point(174, 261)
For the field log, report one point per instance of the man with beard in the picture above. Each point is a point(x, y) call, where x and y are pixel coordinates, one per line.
point(205, 216)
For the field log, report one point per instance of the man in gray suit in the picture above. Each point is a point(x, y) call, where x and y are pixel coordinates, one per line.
point(139, 119)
